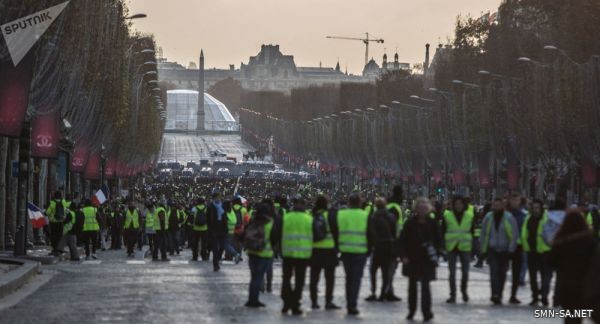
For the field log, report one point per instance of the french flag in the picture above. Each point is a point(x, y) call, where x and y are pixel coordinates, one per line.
point(36, 216)
point(101, 196)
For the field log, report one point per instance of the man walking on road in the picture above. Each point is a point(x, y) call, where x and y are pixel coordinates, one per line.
point(499, 239)
point(457, 230)
point(131, 227)
point(90, 229)
point(296, 248)
point(353, 241)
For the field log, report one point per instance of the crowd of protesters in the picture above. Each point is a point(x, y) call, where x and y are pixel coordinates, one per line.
point(307, 227)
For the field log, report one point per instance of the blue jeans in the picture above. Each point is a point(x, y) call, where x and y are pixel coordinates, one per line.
point(258, 268)
point(220, 243)
point(465, 260)
point(354, 265)
point(498, 262)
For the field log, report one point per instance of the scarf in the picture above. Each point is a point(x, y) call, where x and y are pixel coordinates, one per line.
point(219, 206)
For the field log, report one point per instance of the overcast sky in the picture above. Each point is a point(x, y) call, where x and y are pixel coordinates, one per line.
point(230, 31)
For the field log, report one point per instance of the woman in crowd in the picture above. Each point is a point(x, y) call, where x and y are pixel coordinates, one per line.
point(419, 246)
point(571, 255)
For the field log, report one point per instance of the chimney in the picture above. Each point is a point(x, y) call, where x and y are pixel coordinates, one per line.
point(200, 117)
point(426, 64)
point(231, 67)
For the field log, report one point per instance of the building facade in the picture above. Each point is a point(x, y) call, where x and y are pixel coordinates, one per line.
point(271, 70)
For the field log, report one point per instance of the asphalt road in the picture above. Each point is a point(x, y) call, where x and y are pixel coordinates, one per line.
point(115, 289)
point(184, 147)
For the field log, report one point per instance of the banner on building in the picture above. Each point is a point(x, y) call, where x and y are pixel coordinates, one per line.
point(45, 135)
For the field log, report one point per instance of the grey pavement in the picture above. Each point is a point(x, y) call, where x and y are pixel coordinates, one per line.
point(115, 289)
point(186, 147)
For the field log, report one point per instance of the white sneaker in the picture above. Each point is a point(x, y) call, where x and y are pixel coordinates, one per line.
point(94, 257)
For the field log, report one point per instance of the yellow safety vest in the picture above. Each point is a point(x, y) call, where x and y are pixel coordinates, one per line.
point(458, 234)
point(267, 252)
point(352, 225)
point(541, 245)
point(297, 235)
point(327, 242)
point(90, 223)
point(132, 220)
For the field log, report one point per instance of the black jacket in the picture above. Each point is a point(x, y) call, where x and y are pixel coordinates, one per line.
point(383, 227)
point(215, 226)
point(412, 245)
point(571, 257)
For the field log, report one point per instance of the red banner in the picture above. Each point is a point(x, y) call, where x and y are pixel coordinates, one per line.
point(79, 158)
point(45, 135)
point(483, 162)
point(14, 96)
point(589, 174)
point(110, 169)
point(92, 167)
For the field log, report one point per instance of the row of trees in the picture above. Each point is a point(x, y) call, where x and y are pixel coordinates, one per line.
point(95, 83)
point(504, 111)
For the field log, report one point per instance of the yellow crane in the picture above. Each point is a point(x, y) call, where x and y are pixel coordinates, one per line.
point(366, 41)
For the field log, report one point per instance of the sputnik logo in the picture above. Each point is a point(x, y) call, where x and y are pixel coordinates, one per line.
point(44, 141)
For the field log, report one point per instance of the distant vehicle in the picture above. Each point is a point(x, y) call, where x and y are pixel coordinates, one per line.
point(165, 173)
point(206, 172)
point(162, 165)
point(258, 174)
point(187, 173)
point(204, 162)
point(277, 174)
point(193, 165)
point(223, 172)
point(223, 164)
point(231, 158)
point(217, 153)
point(175, 166)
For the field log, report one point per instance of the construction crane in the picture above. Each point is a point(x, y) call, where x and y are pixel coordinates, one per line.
point(366, 41)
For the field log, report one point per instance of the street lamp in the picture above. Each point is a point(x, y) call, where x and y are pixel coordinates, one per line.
point(137, 16)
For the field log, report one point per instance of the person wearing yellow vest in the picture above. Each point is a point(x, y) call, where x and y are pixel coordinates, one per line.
point(516, 206)
point(296, 248)
point(90, 229)
point(56, 211)
point(259, 260)
point(394, 206)
point(324, 256)
point(350, 230)
point(173, 233)
point(161, 226)
point(457, 232)
point(131, 227)
point(538, 252)
point(70, 229)
point(149, 230)
point(498, 240)
point(419, 247)
point(592, 218)
point(198, 221)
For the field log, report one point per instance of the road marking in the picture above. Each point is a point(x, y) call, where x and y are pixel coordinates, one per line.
point(178, 262)
point(135, 262)
point(91, 262)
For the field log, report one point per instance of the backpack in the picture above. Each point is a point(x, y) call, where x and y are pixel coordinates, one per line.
point(319, 227)
point(59, 213)
point(200, 218)
point(254, 236)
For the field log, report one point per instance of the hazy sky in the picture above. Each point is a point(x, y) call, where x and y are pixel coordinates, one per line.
point(230, 31)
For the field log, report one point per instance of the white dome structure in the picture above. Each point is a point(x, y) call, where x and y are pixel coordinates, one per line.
point(182, 109)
